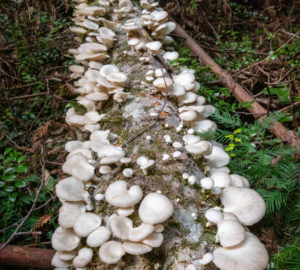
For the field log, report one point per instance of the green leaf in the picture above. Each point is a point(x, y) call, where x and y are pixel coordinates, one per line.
point(2, 193)
point(22, 168)
point(8, 178)
point(9, 188)
point(2, 184)
point(20, 184)
point(9, 170)
point(21, 158)
point(7, 150)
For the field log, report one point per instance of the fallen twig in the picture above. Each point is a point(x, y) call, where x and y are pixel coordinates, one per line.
point(237, 90)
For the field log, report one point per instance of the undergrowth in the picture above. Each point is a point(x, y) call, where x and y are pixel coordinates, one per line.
point(255, 154)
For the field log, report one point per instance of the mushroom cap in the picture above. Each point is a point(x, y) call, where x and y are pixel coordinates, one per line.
point(141, 232)
point(230, 233)
point(155, 208)
point(106, 70)
point(90, 25)
point(118, 78)
point(117, 194)
point(221, 179)
point(250, 254)
point(56, 261)
point(71, 189)
point(125, 6)
point(206, 258)
point(78, 166)
point(66, 255)
point(218, 157)
point(106, 32)
point(207, 183)
point(120, 226)
point(105, 169)
point(199, 148)
point(83, 257)
point(188, 116)
point(125, 211)
point(170, 56)
point(230, 216)
point(204, 126)
point(76, 69)
point(190, 139)
point(86, 223)
point(213, 215)
point(69, 212)
point(154, 239)
point(177, 91)
point(154, 45)
point(98, 237)
point(245, 203)
point(111, 252)
point(145, 163)
point(239, 181)
point(64, 239)
point(134, 248)
point(159, 15)
point(163, 84)
point(127, 172)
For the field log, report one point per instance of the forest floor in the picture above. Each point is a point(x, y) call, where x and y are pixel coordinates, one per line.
point(257, 44)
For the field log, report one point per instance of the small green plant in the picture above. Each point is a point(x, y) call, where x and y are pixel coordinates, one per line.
point(13, 178)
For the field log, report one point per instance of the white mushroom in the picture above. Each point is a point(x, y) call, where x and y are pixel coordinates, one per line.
point(78, 166)
point(213, 215)
point(207, 183)
point(117, 194)
point(154, 46)
point(199, 148)
point(111, 252)
point(245, 203)
point(59, 263)
point(69, 212)
point(221, 179)
point(71, 189)
point(145, 163)
point(86, 224)
point(125, 211)
point(239, 181)
point(136, 248)
point(139, 233)
point(230, 233)
point(83, 257)
point(154, 240)
point(120, 226)
point(127, 172)
point(64, 239)
point(218, 157)
point(98, 237)
point(163, 84)
point(155, 208)
point(206, 259)
point(250, 254)
point(66, 255)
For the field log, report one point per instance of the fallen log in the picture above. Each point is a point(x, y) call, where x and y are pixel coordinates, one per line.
point(258, 111)
point(25, 256)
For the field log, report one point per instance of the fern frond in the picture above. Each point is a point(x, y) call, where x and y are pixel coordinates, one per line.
point(274, 200)
point(227, 119)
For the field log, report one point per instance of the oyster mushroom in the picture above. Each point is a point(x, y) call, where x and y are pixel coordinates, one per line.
point(250, 254)
point(118, 195)
point(155, 208)
point(111, 252)
point(245, 203)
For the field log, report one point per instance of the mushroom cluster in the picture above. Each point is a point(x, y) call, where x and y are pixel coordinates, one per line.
point(96, 81)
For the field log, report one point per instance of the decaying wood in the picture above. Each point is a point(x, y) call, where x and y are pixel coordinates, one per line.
point(258, 111)
point(25, 256)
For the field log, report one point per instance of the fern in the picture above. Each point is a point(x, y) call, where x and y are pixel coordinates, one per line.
point(274, 200)
point(287, 259)
point(227, 120)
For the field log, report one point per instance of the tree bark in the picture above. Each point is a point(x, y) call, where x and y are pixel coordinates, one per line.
point(259, 112)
